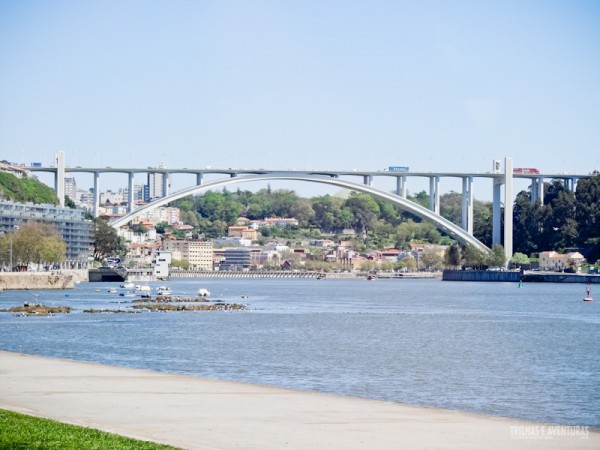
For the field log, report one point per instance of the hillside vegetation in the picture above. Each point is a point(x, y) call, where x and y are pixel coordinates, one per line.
point(23, 190)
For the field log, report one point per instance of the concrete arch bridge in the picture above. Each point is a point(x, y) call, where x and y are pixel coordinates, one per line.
point(425, 214)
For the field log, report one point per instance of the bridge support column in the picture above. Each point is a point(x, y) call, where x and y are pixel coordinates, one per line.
point(130, 200)
point(401, 186)
point(467, 205)
point(96, 194)
point(368, 180)
point(569, 184)
point(434, 194)
point(199, 179)
point(166, 187)
point(508, 208)
point(496, 213)
point(59, 178)
point(540, 189)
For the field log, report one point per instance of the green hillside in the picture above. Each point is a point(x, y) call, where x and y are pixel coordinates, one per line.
point(23, 190)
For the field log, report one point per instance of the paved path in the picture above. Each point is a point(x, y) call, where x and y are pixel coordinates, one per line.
point(197, 413)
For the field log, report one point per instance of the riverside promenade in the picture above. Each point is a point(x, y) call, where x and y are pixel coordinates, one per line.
point(197, 413)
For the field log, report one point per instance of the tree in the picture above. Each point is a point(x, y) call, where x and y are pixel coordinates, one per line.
point(519, 259)
point(365, 210)
point(106, 240)
point(430, 259)
point(303, 211)
point(496, 258)
point(526, 224)
point(452, 256)
point(38, 243)
point(411, 263)
point(69, 203)
point(473, 257)
point(587, 216)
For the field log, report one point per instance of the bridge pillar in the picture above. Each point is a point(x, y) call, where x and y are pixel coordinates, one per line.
point(434, 194)
point(59, 178)
point(401, 186)
point(508, 208)
point(467, 205)
point(166, 179)
point(540, 189)
point(368, 180)
point(130, 201)
point(496, 213)
point(96, 194)
point(199, 179)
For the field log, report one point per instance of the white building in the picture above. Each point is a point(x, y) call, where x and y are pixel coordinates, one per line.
point(198, 253)
point(162, 261)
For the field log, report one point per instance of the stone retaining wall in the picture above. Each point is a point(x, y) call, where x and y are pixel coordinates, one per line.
point(59, 279)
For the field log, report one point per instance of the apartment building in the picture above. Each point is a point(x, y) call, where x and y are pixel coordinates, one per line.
point(198, 253)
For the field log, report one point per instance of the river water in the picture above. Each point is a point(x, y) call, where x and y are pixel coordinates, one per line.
point(492, 348)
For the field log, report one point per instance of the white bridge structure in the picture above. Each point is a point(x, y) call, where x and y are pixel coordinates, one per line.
point(463, 234)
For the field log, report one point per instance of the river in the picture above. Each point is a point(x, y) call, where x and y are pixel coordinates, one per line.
point(492, 348)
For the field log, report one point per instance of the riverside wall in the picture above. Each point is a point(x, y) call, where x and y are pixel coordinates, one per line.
point(516, 276)
point(57, 279)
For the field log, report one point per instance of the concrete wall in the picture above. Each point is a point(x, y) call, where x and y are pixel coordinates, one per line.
point(481, 275)
point(63, 279)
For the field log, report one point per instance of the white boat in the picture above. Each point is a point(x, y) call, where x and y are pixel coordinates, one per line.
point(202, 292)
point(112, 290)
point(143, 290)
point(127, 286)
point(163, 291)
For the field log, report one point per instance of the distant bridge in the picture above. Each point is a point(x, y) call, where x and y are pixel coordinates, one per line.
point(233, 175)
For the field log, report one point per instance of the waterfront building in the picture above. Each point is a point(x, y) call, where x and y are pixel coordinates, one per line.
point(236, 259)
point(76, 231)
point(557, 262)
point(161, 263)
point(198, 253)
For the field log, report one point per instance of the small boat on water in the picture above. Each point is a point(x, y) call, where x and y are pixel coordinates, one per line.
point(112, 290)
point(588, 293)
point(163, 291)
point(127, 286)
point(143, 290)
point(202, 292)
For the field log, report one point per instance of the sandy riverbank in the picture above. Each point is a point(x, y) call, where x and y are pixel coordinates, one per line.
point(197, 413)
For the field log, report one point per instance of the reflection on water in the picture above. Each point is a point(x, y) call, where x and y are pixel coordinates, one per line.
point(486, 347)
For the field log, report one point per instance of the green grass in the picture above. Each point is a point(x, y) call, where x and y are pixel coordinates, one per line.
point(18, 431)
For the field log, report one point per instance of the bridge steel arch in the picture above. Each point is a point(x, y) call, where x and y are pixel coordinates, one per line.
point(453, 230)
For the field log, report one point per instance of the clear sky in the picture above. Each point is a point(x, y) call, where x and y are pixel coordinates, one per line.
point(434, 85)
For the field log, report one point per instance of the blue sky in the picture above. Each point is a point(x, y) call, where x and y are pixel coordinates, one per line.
point(434, 85)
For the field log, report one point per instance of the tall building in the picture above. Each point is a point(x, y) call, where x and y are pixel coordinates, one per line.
point(77, 232)
point(156, 185)
point(71, 188)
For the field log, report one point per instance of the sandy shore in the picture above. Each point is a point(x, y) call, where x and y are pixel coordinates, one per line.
point(197, 413)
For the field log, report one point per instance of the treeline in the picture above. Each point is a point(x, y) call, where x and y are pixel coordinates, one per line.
point(564, 221)
point(373, 222)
